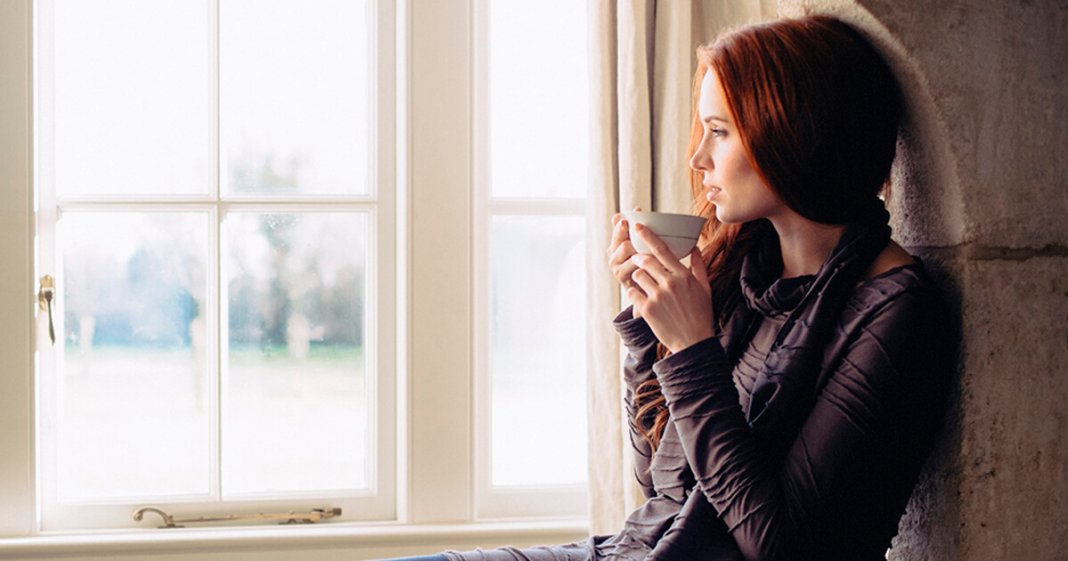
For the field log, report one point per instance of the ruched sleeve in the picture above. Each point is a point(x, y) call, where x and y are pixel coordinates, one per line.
point(637, 369)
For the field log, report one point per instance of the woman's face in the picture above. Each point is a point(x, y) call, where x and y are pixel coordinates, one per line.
point(730, 182)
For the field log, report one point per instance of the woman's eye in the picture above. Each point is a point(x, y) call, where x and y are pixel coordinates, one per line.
point(717, 132)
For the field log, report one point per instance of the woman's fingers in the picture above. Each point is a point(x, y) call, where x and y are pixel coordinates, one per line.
point(699, 269)
point(659, 249)
point(620, 236)
point(620, 263)
point(621, 254)
point(652, 267)
point(620, 230)
point(637, 294)
point(676, 304)
point(645, 281)
point(619, 233)
point(620, 251)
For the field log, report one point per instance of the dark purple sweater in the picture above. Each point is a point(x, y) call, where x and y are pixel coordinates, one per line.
point(761, 462)
point(833, 489)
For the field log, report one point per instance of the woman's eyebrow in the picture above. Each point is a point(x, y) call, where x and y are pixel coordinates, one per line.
point(711, 118)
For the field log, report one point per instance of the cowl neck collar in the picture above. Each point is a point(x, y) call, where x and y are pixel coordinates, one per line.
point(762, 289)
point(790, 376)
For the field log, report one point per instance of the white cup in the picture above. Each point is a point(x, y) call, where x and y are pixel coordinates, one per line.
point(679, 231)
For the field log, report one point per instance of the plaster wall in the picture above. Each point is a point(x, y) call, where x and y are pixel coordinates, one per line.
point(981, 193)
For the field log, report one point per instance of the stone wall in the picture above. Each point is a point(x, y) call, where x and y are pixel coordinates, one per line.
point(981, 193)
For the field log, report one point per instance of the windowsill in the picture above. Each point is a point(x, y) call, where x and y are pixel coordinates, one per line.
point(285, 537)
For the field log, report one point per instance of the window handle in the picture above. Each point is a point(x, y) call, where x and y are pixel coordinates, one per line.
point(45, 294)
point(309, 517)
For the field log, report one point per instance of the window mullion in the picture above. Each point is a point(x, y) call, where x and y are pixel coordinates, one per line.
point(542, 206)
point(215, 294)
point(483, 210)
point(383, 395)
point(17, 283)
point(440, 447)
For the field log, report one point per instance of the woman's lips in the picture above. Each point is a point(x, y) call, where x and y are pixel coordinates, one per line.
point(711, 194)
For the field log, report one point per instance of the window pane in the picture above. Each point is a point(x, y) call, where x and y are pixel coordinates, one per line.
point(133, 97)
point(538, 98)
point(294, 87)
point(295, 403)
point(538, 335)
point(133, 386)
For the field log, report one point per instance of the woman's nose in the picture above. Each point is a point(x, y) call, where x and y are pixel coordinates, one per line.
point(700, 160)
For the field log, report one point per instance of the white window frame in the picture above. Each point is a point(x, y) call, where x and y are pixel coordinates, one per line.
point(435, 473)
point(502, 501)
point(375, 503)
point(17, 433)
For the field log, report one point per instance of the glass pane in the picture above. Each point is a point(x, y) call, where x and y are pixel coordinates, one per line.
point(295, 403)
point(133, 388)
point(538, 346)
point(539, 93)
point(133, 97)
point(294, 87)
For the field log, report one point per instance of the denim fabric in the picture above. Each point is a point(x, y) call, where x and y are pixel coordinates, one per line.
point(437, 557)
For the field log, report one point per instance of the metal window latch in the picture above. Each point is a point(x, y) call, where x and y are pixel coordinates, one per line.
point(309, 517)
point(45, 295)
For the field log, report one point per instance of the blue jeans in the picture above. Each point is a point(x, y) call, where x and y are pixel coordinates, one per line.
point(420, 558)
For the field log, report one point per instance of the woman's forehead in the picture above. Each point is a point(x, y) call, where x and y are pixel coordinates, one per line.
point(712, 104)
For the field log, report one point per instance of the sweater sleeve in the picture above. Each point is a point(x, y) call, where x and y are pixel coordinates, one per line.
point(641, 345)
point(884, 387)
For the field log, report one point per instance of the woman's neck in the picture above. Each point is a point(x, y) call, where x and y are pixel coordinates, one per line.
point(805, 244)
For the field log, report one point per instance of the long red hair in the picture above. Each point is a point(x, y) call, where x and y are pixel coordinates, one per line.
point(817, 109)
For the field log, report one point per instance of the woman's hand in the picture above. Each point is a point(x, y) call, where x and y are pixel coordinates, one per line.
point(620, 250)
point(674, 299)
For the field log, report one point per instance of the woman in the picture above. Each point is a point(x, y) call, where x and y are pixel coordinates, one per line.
point(784, 385)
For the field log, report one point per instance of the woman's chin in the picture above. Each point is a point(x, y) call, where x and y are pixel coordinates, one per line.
point(725, 216)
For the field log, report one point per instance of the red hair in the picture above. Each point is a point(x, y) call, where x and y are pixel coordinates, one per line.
point(817, 110)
